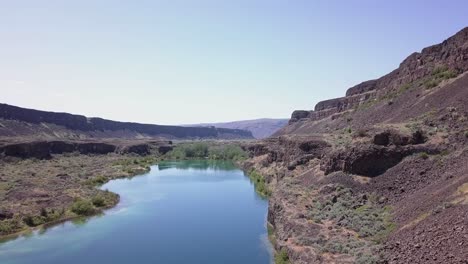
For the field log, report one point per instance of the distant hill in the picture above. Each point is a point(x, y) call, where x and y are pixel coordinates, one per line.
point(22, 122)
point(260, 128)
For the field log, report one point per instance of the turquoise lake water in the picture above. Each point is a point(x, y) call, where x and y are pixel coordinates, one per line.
point(180, 212)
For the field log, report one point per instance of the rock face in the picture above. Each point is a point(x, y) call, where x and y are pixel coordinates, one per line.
point(380, 175)
point(451, 54)
point(44, 149)
point(98, 127)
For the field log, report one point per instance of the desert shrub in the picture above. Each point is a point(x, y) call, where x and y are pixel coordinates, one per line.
point(367, 258)
point(431, 83)
point(424, 155)
point(405, 87)
point(443, 72)
point(438, 75)
point(364, 216)
point(361, 133)
point(282, 257)
point(83, 207)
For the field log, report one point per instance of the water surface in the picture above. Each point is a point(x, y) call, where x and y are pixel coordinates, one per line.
point(180, 212)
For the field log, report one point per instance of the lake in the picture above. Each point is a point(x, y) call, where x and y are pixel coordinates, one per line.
point(179, 212)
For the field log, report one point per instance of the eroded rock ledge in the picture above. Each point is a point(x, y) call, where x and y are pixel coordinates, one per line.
point(44, 149)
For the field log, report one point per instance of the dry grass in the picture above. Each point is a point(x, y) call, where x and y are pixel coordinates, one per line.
point(28, 187)
point(461, 195)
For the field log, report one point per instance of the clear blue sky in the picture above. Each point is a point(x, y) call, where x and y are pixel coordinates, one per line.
point(175, 62)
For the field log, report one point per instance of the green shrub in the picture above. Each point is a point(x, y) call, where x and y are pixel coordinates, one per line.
point(34, 220)
point(405, 87)
point(259, 183)
point(202, 150)
point(282, 257)
point(443, 72)
point(438, 75)
point(9, 226)
point(439, 69)
point(97, 181)
point(53, 214)
point(431, 83)
point(98, 201)
point(227, 152)
point(83, 207)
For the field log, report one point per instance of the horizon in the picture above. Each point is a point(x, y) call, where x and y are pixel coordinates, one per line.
point(184, 63)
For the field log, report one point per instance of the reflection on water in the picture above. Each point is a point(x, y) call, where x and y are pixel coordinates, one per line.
point(198, 165)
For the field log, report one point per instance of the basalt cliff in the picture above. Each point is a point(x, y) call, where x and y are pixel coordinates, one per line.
point(377, 176)
point(21, 122)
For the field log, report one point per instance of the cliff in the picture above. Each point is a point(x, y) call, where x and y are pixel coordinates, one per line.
point(429, 68)
point(380, 175)
point(52, 124)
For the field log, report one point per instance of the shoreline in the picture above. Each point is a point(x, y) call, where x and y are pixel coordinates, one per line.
point(13, 236)
point(237, 163)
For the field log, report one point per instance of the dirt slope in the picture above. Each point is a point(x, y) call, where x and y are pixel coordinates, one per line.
point(380, 175)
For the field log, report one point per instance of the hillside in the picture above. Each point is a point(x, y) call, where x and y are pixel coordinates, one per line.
point(21, 122)
point(380, 175)
point(260, 128)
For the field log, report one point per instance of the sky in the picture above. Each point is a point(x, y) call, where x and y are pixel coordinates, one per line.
point(195, 61)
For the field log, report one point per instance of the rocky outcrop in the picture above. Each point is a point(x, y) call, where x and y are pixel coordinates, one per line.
point(39, 150)
point(164, 149)
point(368, 160)
point(393, 137)
point(44, 149)
point(140, 149)
point(103, 128)
point(289, 150)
